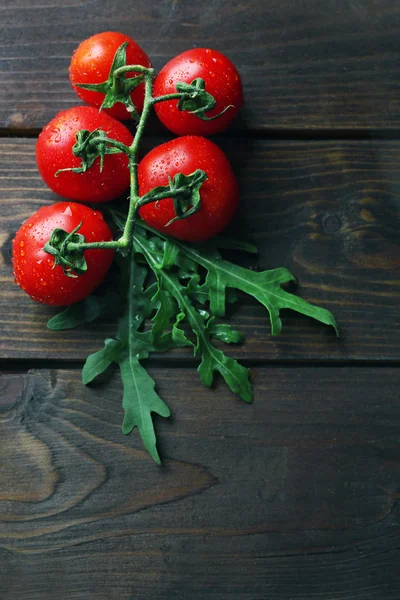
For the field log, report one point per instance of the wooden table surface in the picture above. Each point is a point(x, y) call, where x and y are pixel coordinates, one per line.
point(294, 497)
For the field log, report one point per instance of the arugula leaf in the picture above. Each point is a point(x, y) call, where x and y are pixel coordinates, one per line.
point(86, 311)
point(224, 277)
point(99, 362)
point(212, 359)
point(265, 286)
point(139, 398)
point(223, 241)
point(224, 332)
point(181, 308)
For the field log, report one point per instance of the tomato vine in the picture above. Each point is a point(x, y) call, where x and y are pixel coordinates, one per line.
point(170, 293)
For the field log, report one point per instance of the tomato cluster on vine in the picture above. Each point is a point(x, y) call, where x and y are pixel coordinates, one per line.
point(69, 167)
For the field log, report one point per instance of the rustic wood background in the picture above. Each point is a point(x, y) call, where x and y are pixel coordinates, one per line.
point(296, 496)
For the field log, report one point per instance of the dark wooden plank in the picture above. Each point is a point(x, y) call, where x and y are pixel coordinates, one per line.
point(308, 64)
point(293, 497)
point(328, 211)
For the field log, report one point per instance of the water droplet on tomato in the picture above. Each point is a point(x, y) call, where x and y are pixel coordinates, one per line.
point(57, 135)
point(191, 60)
point(22, 253)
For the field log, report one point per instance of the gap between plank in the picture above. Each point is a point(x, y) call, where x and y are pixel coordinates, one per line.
point(24, 365)
point(290, 134)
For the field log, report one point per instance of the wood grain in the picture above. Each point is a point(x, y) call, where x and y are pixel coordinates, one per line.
point(327, 210)
point(305, 65)
point(293, 497)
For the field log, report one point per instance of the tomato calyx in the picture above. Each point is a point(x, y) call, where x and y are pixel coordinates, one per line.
point(184, 191)
point(196, 100)
point(90, 145)
point(73, 261)
point(117, 87)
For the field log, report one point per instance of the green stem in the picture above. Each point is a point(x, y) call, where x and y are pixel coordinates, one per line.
point(147, 72)
point(124, 243)
point(110, 142)
point(119, 73)
point(147, 106)
point(161, 196)
point(127, 236)
point(112, 245)
point(166, 97)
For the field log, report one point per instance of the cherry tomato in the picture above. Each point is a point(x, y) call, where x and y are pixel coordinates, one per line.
point(92, 61)
point(34, 269)
point(222, 81)
point(219, 193)
point(54, 152)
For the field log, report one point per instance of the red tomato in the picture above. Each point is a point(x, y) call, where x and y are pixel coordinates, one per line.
point(34, 269)
point(54, 151)
point(92, 61)
point(222, 81)
point(219, 193)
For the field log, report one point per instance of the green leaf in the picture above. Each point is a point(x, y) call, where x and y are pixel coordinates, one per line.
point(166, 310)
point(73, 262)
point(265, 286)
point(212, 359)
point(99, 362)
point(90, 145)
point(196, 100)
point(86, 311)
point(140, 400)
point(178, 335)
point(232, 244)
point(184, 191)
point(117, 88)
point(223, 332)
point(174, 306)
